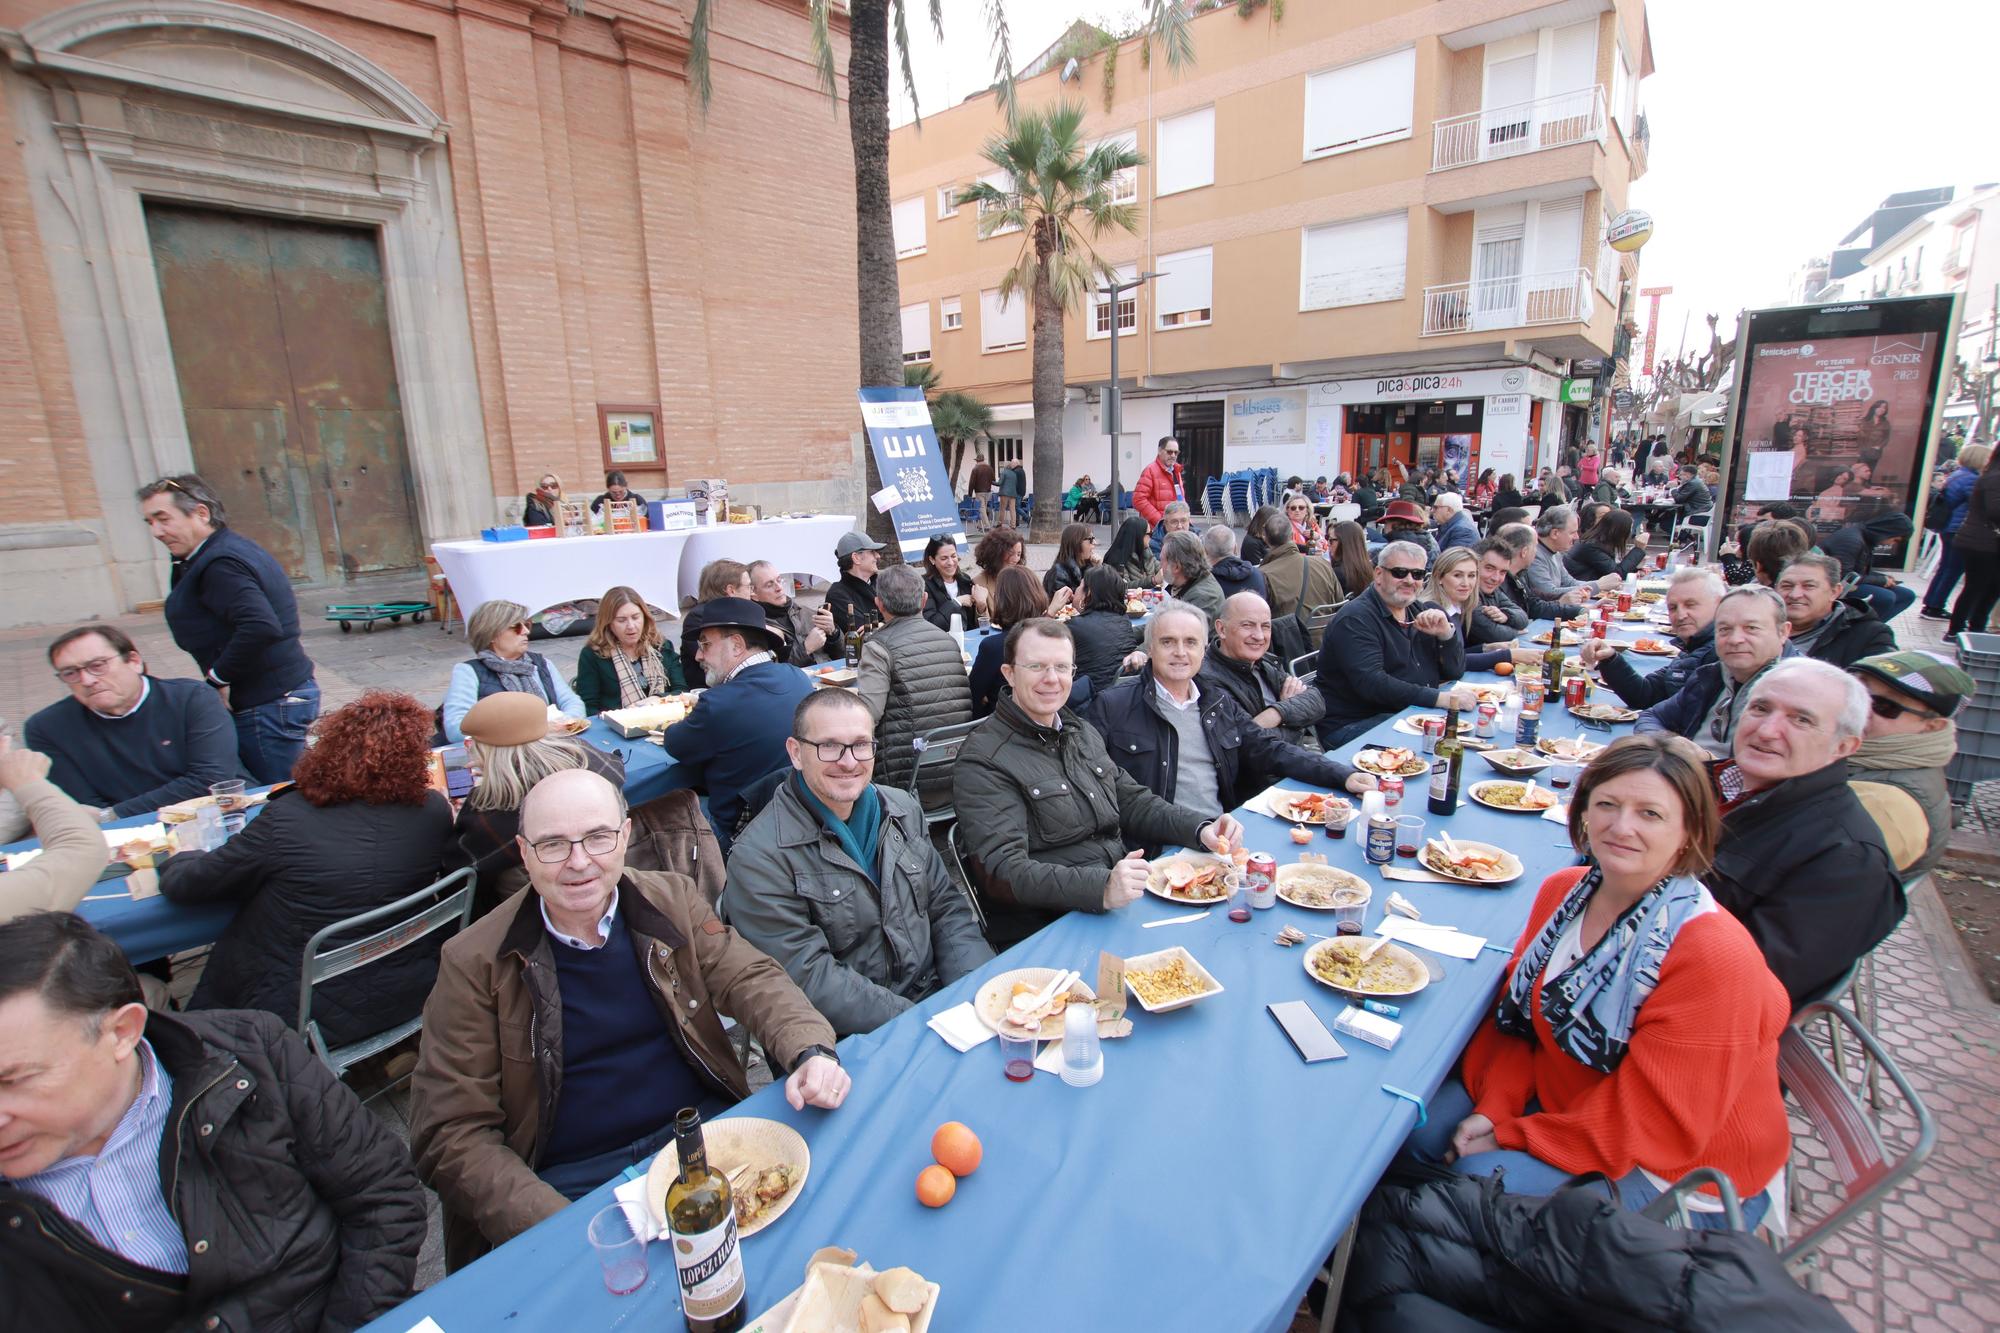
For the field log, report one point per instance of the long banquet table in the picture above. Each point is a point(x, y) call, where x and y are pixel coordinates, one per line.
point(1198, 1186)
point(661, 566)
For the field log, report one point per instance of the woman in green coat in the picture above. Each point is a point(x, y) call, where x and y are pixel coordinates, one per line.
point(626, 660)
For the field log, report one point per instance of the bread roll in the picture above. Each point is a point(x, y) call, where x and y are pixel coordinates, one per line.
point(879, 1318)
point(901, 1290)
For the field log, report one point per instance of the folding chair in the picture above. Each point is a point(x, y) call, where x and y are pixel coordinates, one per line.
point(1304, 665)
point(1671, 1207)
point(937, 749)
point(956, 850)
point(415, 917)
point(1867, 1169)
point(1215, 499)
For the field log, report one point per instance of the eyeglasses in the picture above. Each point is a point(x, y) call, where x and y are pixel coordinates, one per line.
point(1404, 573)
point(1046, 668)
point(1889, 710)
point(521, 625)
point(597, 842)
point(96, 666)
point(832, 752)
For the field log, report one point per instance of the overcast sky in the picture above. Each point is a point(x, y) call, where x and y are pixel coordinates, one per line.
point(1776, 126)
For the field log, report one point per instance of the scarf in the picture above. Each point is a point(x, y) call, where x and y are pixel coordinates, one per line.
point(1921, 749)
point(1593, 1004)
point(517, 676)
point(860, 834)
point(641, 680)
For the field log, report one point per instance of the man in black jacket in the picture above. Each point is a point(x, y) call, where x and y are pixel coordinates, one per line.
point(852, 598)
point(231, 609)
point(1691, 602)
point(1826, 626)
point(1385, 651)
point(202, 1171)
point(1243, 667)
point(1801, 862)
point(1198, 749)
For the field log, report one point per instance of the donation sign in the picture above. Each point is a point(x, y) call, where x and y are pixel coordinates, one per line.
point(1835, 413)
point(915, 491)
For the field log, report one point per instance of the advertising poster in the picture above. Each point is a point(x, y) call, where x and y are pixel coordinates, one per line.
point(1835, 411)
point(910, 464)
point(1270, 416)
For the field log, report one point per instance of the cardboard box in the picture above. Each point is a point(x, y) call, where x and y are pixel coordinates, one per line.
point(670, 515)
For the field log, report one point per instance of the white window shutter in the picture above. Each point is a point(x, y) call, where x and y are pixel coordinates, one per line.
point(908, 218)
point(1001, 324)
point(1186, 282)
point(917, 331)
point(1356, 105)
point(1187, 152)
point(1353, 263)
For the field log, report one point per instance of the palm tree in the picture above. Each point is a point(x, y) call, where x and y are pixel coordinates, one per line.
point(1061, 198)
point(870, 23)
point(958, 419)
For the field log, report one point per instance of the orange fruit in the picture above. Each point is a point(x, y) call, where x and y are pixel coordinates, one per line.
point(1503, 668)
point(935, 1186)
point(956, 1148)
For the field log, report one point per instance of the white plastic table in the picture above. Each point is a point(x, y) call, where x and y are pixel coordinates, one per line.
point(541, 574)
point(794, 545)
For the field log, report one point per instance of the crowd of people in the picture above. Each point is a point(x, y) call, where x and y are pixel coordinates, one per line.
point(1736, 855)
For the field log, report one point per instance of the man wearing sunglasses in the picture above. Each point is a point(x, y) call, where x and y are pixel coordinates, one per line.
point(837, 879)
point(572, 1022)
point(1159, 486)
point(1386, 651)
point(1910, 737)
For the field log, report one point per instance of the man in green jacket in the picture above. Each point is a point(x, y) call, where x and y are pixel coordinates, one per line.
point(1912, 698)
point(837, 879)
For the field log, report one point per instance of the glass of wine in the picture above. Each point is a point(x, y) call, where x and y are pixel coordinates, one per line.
point(617, 1234)
point(1409, 836)
point(1017, 1054)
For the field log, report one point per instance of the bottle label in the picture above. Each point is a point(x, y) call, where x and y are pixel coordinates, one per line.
point(711, 1270)
point(1440, 778)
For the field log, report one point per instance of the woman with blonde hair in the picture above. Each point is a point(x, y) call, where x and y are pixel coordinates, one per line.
point(626, 661)
point(498, 634)
point(538, 507)
point(1454, 586)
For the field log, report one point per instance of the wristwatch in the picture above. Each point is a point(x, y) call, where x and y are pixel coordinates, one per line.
point(810, 1051)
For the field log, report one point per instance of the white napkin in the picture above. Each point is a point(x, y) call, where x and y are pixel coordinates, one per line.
point(1557, 814)
point(1261, 802)
point(1050, 1060)
point(960, 1026)
point(634, 1192)
point(1447, 940)
point(1414, 876)
point(426, 1325)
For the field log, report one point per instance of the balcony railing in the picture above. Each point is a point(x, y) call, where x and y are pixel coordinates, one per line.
point(1639, 147)
point(1525, 127)
point(1561, 297)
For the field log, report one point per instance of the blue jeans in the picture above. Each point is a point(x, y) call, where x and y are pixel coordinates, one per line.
point(1945, 577)
point(270, 737)
point(1888, 602)
point(1530, 1175)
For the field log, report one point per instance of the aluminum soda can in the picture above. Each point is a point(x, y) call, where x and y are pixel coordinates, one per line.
point(1391, 787)
point(1624, 601)
point(1260, 872)
point(1528, 728)
point(1576, 691)
point(1381, 845)
point(1487, 719)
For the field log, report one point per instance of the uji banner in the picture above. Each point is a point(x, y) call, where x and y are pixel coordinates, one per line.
point(915, 491)
point(1835, 427)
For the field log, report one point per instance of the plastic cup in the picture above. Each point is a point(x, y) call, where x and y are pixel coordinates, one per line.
point(1409, 836)
point(229, 800)
point(1017, 1054)
point(1238, 886)
point(617, 1235)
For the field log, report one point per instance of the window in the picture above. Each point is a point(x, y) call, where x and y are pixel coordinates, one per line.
point(1187, 152)
point(1003, 325)
point(1607, 260)
point(999, 181)
point(950, 316)
point(1361, 105)
point(1183, 293)
point(947, 202)
point(1624, 91)
point(1125, 185)
point(1354, 263)
point(1128, 307)
point(916, 333)
point(908, 218)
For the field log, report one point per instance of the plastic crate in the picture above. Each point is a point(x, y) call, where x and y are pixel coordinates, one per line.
point(1979, 657)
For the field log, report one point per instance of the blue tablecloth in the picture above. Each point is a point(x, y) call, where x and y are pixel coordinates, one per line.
point(1198, 1186)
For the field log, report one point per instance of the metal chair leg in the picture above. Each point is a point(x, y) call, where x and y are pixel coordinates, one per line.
point(1336, 1276)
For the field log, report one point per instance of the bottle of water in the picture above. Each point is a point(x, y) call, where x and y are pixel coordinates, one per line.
point(1083, 1055)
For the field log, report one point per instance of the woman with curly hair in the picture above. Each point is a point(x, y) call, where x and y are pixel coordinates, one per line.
point(359, 828)
point(999, 549)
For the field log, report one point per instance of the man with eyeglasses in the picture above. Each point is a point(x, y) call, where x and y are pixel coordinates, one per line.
point(1160, 484)
point(1385, 651)
point(1692, 599)
point(126, 742)
point(1910, 737)
point(837, 879)
point(809, 635)
point(571, 1023)
point(1801, 863)
point(1750, 636)
point(1047, 818)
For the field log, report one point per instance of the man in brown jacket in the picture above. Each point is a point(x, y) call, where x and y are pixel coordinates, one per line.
point(570, 1024)
point(1298, 581)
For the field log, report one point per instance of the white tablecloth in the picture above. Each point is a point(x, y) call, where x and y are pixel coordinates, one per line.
point(540, 574)
point(794, 545)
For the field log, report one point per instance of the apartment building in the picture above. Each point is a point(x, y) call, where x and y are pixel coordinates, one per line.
point(1378, 229)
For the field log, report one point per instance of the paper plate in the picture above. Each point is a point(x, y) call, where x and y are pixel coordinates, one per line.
point(1511, 868)
point(1156, 879)
point(734, 1141)
point(993, 998)
point(1483, 793)
point(1415, 974)
point(1300, 878)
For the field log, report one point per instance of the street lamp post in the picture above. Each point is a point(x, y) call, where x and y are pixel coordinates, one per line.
point(1114, 398)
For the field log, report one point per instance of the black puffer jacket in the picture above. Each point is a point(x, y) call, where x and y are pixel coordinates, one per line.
point(298, 867)
point(1851, 632)
point(1456, 1254)
point(912, 679)
point(300, 1209)
point(1103, 639)
point(1246, 682)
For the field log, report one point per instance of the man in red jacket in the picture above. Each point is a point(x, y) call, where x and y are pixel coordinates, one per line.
point(1159, 485)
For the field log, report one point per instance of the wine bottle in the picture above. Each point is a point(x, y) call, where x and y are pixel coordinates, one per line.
point(1448, 766)
point(701, 1222)
point(1552, 662)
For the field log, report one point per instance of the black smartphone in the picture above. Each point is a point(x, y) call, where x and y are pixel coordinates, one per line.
point(1302, 1025)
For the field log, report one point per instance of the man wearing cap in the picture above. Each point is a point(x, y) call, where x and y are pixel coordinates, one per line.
point(1454, 526)
point(736, 734)
point(852, 599)
point(1402, 521)
point(1912, 698)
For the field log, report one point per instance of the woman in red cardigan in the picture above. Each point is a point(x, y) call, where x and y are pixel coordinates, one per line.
point(1637, 1029)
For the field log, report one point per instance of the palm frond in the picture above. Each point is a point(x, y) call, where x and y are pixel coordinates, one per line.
point(822, 45)
point(1168, 23)
point(937, 18)
point(697, 61)
point(902, 32)
point(1003, 55)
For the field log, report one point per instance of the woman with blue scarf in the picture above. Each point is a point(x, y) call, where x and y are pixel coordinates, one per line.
point(1636, 1033)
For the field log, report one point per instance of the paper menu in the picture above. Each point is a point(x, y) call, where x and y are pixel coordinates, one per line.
point(1770, 475)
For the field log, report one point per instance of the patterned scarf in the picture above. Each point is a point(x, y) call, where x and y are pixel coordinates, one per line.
point(1593, 1003)
point(641, 680)
point(518, 675)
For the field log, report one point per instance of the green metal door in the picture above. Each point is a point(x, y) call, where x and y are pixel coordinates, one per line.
point(281, 345)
